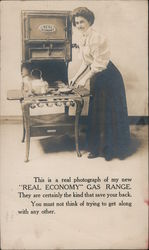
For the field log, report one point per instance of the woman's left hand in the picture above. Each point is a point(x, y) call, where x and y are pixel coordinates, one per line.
point(81, 83)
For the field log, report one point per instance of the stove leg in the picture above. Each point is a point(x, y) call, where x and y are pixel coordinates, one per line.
point(27, 129)
point(23, 137)
point(79, 106)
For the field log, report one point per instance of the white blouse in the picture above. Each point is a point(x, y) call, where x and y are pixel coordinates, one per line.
point(94, 51)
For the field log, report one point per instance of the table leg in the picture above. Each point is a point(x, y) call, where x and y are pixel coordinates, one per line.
point(79, 106)
point(26, 116)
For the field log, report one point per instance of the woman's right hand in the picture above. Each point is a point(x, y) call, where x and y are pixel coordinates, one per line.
point(72, 82)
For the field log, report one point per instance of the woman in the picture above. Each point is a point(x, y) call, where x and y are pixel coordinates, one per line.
point(108, 129)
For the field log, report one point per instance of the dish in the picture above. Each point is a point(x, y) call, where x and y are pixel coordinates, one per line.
point(52, 89)
point(65, 90)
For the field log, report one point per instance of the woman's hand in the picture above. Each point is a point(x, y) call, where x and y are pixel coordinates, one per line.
point(76, 77)
point(82, 82)
point(72, 82)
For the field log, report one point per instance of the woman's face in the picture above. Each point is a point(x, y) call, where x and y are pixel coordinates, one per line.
point(81, 24)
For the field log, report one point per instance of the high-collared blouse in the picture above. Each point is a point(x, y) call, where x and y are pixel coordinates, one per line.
point(94, 50)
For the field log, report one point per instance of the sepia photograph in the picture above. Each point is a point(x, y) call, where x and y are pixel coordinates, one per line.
point(74, 124)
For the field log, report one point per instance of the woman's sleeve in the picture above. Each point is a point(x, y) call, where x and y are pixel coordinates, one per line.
point(100, 53)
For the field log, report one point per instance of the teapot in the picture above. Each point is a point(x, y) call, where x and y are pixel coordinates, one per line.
point(38, 85)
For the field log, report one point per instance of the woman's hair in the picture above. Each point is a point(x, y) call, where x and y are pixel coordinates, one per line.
point(83, 12)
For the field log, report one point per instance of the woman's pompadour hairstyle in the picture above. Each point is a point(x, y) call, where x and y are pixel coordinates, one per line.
point(83, 12)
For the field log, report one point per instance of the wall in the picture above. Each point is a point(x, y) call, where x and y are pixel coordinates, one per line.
point(123, 22)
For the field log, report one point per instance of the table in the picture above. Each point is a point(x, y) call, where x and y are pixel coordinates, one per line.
point(51, 124)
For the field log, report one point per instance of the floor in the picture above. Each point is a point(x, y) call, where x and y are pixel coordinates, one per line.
point(55, 158)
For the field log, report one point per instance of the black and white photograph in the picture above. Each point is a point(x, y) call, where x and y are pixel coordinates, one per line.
point(74, 124)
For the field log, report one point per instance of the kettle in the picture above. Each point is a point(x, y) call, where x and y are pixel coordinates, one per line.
point(38, 85)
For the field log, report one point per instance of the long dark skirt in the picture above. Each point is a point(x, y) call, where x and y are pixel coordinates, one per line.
point(108, 127)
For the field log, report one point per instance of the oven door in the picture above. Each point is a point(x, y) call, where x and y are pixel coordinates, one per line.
point(46, 26)
point(46, 35)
